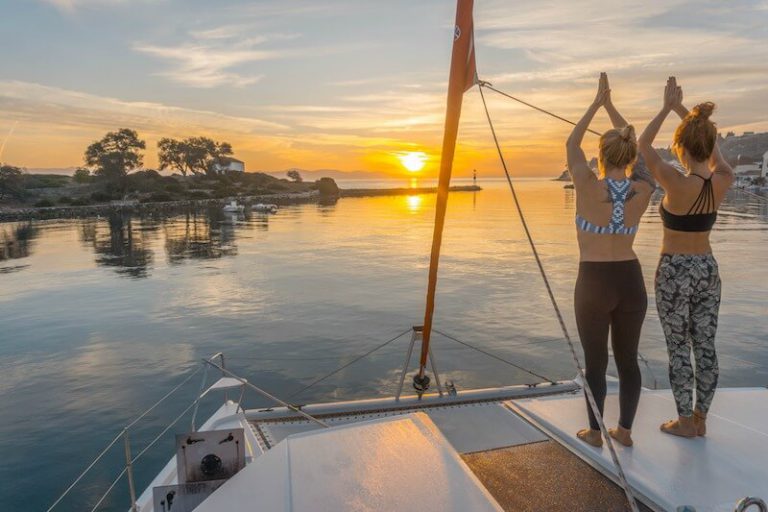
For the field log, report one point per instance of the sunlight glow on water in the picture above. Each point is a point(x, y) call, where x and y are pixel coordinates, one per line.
point(100, 317)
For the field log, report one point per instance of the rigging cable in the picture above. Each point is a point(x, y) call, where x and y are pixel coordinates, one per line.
point(587, 390)
point(468, 345)
point(342, 367)
point(490, 86)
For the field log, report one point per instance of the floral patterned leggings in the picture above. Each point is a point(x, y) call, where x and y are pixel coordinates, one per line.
point(688, 301)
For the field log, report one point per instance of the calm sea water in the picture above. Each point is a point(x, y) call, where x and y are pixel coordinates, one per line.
point(100, 317)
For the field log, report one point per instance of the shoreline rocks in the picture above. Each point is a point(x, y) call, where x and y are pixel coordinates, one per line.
point(170, 207)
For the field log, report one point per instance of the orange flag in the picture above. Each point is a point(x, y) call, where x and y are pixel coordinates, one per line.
point(462, 77)
point(466, 26)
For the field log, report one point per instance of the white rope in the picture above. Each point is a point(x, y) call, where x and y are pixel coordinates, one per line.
point(587, 390)
point(80, 477)
point(117, 438)
point(161, 434)
point(267, 395)
point(112, 486)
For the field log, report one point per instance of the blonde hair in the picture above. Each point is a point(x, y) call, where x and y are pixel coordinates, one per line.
point(696, 133)
point(618, 148)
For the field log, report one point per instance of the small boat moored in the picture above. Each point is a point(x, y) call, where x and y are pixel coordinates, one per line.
point(266, 208)
point(233, 207)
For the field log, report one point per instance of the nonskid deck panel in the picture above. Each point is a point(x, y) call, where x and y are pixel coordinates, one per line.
point(472, 421)
point(468, 427)
point(545, 476)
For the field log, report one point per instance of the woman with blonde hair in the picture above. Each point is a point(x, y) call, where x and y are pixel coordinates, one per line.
point(610, 291)
point(687, 278)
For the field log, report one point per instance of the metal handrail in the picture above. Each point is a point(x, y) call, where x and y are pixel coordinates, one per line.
point(265, 394)
point(123, 435)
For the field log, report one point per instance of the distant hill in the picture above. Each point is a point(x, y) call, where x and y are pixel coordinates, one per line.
point(750, 146)
point(63, 171)
point(746, 148)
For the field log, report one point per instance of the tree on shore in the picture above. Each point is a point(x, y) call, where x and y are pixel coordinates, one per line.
point(11, 182)
point(295, 175)
point(81, 175)
point(115, 155)
point(193, 155)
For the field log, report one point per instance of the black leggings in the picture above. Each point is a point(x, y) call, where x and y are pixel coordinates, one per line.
point(611, 294)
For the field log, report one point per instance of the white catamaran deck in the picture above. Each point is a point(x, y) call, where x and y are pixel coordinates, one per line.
point(710, 474)
point(394, 464)
point(507, 449)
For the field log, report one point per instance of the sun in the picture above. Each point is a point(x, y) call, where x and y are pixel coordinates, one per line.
point(413, 161)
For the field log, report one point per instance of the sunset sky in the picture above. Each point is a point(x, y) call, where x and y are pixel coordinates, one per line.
point(352, 84)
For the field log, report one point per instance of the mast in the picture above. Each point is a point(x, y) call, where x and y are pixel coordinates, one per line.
point(462, 77)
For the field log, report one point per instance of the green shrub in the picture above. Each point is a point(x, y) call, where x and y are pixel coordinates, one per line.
point(82, 175)
point(277, 186)
point(81, 201)
point(44, 180)
point(157, 197)
point(101, 197)
point(199, 194)
point(173, 186)
point(65, 200)
point(44, 203)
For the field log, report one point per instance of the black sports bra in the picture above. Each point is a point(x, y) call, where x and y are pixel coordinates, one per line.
point(698, 218)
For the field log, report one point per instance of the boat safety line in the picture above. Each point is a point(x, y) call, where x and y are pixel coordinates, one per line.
point(161, 434)
point(350, 363)
point(199, 367)
point(488, 85)
point(558, 313)
point(117, 438)
point(86, 470)
point(263, 393)
point(510, 363)
point(112, 486)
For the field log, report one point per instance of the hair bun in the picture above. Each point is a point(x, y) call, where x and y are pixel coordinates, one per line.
point(628, 133)
point(703, 110)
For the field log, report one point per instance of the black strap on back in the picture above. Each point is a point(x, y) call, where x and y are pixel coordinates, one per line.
point(705, 202)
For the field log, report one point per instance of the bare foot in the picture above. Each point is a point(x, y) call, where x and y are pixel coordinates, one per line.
point(622, 435)
point(683, 427)
point(700, 420)
point(590, 436)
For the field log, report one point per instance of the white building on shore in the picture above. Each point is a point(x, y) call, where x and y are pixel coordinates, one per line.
point(234, 165)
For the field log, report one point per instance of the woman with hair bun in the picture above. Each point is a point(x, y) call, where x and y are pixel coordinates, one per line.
point(610, 291)
point(687, 278)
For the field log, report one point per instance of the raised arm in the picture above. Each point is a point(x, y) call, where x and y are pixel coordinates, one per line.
point(616, 118)
point(640, 172)
point(577, 161)
point(679, 109)
point(664, 173)
point(719, 166)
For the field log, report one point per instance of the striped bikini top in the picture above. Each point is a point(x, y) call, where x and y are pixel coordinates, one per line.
point(618, 191)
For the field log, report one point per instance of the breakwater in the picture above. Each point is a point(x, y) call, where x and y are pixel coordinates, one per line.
point(368, 192)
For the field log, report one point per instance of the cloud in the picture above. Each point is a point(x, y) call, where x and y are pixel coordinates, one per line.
point(209, 59)
point(72, 5)
point(40, 104)
point(215, 56)
point(205, 66)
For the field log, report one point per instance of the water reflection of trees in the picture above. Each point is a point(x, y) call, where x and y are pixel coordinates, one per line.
point(125, 246)
point(201, 236)
point(16, 242)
